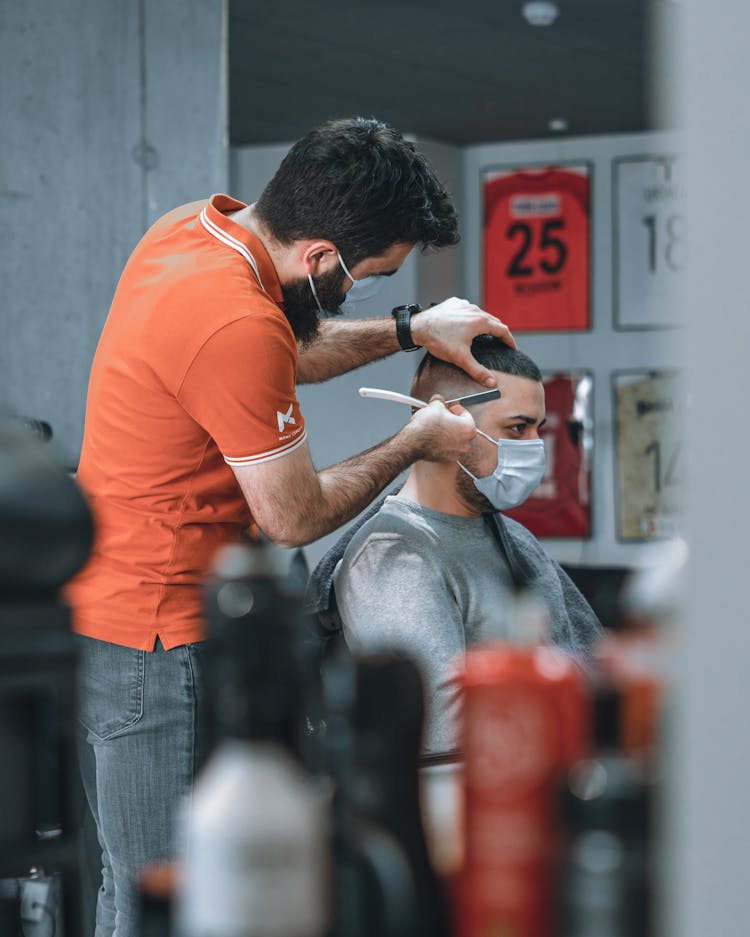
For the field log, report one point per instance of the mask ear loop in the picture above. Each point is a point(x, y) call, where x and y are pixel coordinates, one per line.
point(462, 466)
point(315, 294)
point(345, 268)
point(494, 442)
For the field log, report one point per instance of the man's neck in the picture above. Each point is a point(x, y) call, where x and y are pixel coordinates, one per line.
point(247, 218)
point(433, 485)
point(280, 256)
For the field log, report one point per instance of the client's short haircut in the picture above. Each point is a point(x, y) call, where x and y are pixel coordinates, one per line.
point(434, 376)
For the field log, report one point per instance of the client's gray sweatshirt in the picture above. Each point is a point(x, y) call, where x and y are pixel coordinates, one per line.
point(432, 584)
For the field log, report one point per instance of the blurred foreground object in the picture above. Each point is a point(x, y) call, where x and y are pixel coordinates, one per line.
point(254, 852)
point(610, 802)
point(653, 596)
point(305, 821)
point(46, 531)
point(375, 716)
point(606, 874)
point(525, 722)
point(45, 536)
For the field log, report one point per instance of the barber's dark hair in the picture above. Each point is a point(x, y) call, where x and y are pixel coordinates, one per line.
point(358, 183)
point(493, 354)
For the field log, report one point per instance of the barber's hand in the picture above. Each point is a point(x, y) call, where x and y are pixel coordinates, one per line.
point(440, 434)
point(448, 329)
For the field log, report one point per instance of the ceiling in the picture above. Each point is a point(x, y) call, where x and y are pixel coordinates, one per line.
point(464, 73)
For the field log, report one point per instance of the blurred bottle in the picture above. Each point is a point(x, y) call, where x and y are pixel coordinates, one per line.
point(388, 724)
point(255, 850)
point(632, 663)
point(254, 670)
point(606, 871)
point(157, 886)
point(610, 801)
point(381, 882)
point(441, 787)
point(525, 722)
point(255, 861)
point(638, 660)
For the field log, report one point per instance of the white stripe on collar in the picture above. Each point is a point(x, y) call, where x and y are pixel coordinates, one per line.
point(232, 242)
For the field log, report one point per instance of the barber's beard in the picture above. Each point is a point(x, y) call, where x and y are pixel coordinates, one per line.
point(468, 492)
point(301, 309)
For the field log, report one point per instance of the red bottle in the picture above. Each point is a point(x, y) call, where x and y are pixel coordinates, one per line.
point(526, 720)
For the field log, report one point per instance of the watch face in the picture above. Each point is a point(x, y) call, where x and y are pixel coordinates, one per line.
point(411, 308)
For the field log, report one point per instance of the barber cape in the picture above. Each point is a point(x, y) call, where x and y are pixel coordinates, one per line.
point(574, 626)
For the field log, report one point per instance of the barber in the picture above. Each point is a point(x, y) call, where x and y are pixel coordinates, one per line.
point(194, 433)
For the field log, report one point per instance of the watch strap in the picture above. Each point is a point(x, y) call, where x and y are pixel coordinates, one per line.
point(402, 315)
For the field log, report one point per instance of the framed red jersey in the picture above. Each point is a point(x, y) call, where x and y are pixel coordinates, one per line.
point(536, 247)
point(561, 505)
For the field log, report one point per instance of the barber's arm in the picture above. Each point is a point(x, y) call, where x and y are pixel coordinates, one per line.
point(294, 504)
point(446, 330)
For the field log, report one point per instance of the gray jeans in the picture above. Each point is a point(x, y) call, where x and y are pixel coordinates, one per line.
point(140, 714)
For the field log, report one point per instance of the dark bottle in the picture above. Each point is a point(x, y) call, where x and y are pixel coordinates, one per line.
point(606, 806)
point(254, 669)
point(384, 884)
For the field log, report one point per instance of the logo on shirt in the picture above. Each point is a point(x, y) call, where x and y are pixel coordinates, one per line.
point(535, 206)
point(283, 418)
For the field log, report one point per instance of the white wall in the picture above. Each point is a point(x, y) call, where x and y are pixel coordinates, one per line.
point(439, 272)
point(600, 350)
point(341, 424)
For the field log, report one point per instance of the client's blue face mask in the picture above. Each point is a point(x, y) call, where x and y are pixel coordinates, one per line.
point(521, 464)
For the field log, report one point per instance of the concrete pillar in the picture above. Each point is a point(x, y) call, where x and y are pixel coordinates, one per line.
point(112, 114)
point(710, 769)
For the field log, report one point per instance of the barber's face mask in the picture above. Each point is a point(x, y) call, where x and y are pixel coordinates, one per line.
point(521, 464)
point(360, 290)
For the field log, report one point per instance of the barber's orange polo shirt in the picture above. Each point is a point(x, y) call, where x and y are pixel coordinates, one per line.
point(195, 372)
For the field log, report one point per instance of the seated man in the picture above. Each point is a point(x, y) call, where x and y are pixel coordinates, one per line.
point(435, 569)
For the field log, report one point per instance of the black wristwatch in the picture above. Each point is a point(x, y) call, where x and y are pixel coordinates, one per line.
point(402, 315)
